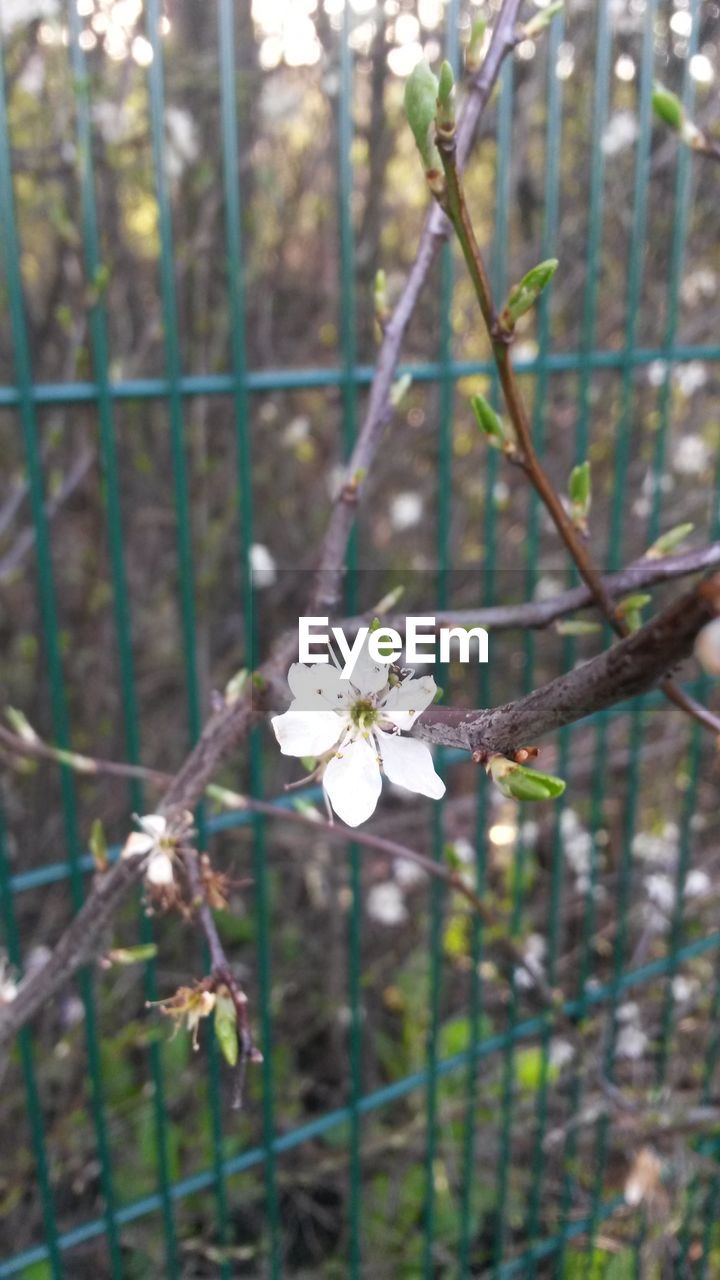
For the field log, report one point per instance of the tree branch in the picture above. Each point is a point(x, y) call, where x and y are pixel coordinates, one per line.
point(505, 36)
point(630, 667)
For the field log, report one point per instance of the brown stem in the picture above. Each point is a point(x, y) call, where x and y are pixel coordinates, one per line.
point(331, 562)
point(456, 208)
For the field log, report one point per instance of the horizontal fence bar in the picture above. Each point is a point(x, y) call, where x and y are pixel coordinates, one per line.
point(56, 871)
point(375, 1101)
point(203, 384)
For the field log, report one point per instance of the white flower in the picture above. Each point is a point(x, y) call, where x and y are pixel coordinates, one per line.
point(631, 1043)
point(661, 891)
point(386, 904)
point(152, 839)
point(698, 884)
point(707, 648)
point(262, 566)
point(406, 510)
point(691, 455)
point(8, 985)
point(357, 723)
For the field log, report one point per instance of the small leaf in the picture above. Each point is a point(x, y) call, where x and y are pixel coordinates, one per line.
point(421, 92)
point(226, 1029)
point(667, 542)
point(523, 296)
point(542, 20)
point(488, 421)
point(473, 53)
point(98, 845)
point(638, 601)
point(20, 725)
point(668, 107)
point(577, 627)
point(445, 118)
point(399, 389)
point(519, 783)
point(579, 487)
point(133, 955)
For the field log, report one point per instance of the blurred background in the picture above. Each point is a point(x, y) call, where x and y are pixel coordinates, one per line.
point(195, 199)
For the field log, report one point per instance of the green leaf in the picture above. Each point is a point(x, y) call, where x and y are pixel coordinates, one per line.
point(523, 296)
point(577, 627)
point(579, 488)
point(632, 603)
point(226, 1029)
point(488, 421)
point(98, 845)
point(542, 20)
point(421, 92)
point(518, 783)
point(667, 542)
point(667, 107)
point(20, 725)
point(133, 955)
point(445, 118)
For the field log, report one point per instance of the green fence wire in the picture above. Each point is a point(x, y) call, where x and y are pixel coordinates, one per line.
point(240, 382)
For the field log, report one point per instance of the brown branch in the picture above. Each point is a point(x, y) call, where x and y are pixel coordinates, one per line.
point(505, 36)
point(454, 204)
point(630, 667)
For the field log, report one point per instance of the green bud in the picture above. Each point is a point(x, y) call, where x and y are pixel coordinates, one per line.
point(579, 486)
point(488, 421)
point(579, 492)
point(630, 609)
point(399, 389)
point(473, 53)
point(542, 20)
point(20, 725)
point(389, 601)
point(637, 601)
point(523, 296)
point(518, 783)
point(98, 845)
point(226, 1029)
point(234, 687)
point(309, 763)
point(226, 799)
point(421, 94)
point(668, 107)
point(577, 627)
point(667, 542)
point(133, 955)
point(445, 118)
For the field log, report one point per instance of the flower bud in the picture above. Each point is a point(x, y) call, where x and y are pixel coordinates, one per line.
point(523, 296)
point(518, 783)
point(421, 95)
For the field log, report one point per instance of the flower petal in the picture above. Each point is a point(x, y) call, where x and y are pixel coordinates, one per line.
point(369, 676)
point(406, 701)
point(307, 733)
point(318, 688)
point(352, 781)
point(154, 824)
point(160, 869)
point(408, 763)
point(137, 843)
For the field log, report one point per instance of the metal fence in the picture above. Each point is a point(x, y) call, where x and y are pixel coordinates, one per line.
point(221, 1183)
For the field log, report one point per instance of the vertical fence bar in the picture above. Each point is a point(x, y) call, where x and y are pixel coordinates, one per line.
point(27, 1065)
point(241, 404)
point(499, 285)
point(97, 323)
point(443, 540)
point(582, 439)
point(49, 618)
point(635, 274)
point(348, 345)
point(553, 152)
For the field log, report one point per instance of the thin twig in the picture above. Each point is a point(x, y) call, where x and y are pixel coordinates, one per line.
point(455, 206)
